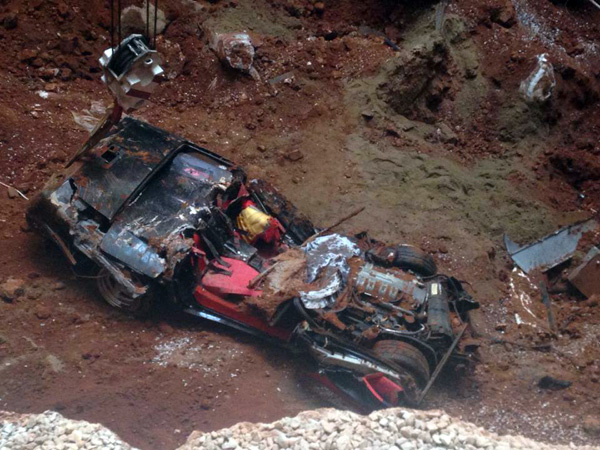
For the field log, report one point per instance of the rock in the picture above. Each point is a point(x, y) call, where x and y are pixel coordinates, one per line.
point(165, 328)
point(294, 155)
point(368, 115)
point(205, 405)
point(133, 20)
point(63, 9)
point(12, 289)
point(28, 54)
point(51, 87)
point(12, 192)
point(43, 312)
point(591, 302)
point(58, 286)
point(408, 445)
point(591, 425)
point(328, 427)
point(10, 21)
point(504, 14)
point(48, 73)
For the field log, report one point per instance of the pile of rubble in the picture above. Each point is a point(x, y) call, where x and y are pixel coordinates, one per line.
point(392, 429)
point(50, 430)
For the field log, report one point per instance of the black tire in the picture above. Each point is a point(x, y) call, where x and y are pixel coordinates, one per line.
point(419, 262)
point(406, 356)
point(117, 296)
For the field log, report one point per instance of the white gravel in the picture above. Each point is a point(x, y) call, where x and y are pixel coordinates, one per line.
point(323, 429)
point(52, 431)
point(392, 429)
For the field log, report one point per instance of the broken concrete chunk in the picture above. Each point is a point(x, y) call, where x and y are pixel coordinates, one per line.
point(539, 85)
point(236, 51)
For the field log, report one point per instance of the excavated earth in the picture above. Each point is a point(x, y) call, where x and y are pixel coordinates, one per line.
point(432, 137)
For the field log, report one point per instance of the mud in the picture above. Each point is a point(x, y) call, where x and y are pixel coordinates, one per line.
point(449, 170)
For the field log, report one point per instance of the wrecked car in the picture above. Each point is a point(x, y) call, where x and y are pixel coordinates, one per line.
point(164, 220)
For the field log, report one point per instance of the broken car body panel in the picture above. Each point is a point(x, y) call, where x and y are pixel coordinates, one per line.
point(551, 250)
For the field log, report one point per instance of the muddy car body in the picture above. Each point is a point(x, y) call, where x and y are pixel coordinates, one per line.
point(166, 220)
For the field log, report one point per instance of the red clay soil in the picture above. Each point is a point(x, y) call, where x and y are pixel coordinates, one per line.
point(155, 381)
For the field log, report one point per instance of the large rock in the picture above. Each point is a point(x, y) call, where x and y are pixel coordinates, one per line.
point(133, 20)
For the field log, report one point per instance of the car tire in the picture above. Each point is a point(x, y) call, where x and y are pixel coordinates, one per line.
point(417, 261)
point(406, 356)
point(117, 296)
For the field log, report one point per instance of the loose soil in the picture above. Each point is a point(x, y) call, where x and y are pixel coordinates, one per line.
point(434, 139)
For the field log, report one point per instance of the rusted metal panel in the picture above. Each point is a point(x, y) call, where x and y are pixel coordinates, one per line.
point(586, 277)
point(121, 163)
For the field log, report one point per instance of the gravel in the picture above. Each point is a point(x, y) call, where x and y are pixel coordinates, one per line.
point(50, 430)
point(322, 429)
point(392, 429)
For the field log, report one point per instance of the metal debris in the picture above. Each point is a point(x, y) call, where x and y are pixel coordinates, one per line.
point(131, 71)
point(586, 276)
point(551, 250)
point(327, 257)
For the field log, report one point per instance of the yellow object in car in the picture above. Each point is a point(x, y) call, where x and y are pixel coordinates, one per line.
point(253, 221)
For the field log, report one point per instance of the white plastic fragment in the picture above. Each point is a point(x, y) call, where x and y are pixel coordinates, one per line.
point(89, 118)
point(539, 85)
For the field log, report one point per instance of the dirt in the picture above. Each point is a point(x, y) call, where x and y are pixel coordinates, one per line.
point(434, 139)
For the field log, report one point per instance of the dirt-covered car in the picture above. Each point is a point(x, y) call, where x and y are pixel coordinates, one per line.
point(163, 220)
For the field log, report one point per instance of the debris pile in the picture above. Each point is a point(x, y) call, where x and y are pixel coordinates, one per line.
point(393, 429)
point(397, 429)
point(51, 430)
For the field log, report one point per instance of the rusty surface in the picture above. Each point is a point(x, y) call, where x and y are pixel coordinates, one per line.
point(586, 277)
point(333, 319)
point(121, 163)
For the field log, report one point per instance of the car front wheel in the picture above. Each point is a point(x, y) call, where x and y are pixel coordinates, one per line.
point(117, 295)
